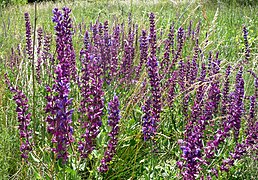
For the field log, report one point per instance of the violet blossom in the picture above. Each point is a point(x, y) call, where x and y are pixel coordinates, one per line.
point(153, 73)
point(38, 66)
point(148, 124)
point(143, 52)
point(178, 53)
point(247, 48)
point(24, 119)
point(113, 122)
point(58, 102)
point(67, 21)
point(29, 48)
point(238, 107)
point(114, 51)
point(249, 143)
point(91, 105)
point(225, 92)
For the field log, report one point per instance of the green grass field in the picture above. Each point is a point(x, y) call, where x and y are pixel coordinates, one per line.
point(220, 30)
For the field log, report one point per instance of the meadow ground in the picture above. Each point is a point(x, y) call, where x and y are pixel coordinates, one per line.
point(221, 30)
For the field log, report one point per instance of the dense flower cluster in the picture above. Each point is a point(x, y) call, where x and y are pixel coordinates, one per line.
point(225, 92)
point(115, 42)
point(67, 35)
point(144, 52)
point(154, 78)
point(171, 88)
point(86, 40)
point(238, 106)
point(58, 102)
point(247, 48)
point(147, 122)
point(205, 111)
point(23, 118)
point(39, 57)
point(126, 66)
point(29, 48)
point(249, 143)
point(195, 153)
point(92, 103)
point(180, 43)
point(106, 53)
point(192, 144)
point(194, 66)
point(46, 49)
point(113, 120)
point(201, 116)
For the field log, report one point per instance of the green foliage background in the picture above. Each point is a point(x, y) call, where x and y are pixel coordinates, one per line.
point(238, 2)
point(12, 2)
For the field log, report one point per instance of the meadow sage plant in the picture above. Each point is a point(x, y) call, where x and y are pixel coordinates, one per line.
point(58, 102)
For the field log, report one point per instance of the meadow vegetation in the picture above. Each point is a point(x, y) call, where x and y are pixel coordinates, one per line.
point(129, 90)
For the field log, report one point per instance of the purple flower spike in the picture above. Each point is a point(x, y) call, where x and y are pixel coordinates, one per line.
point(114, 51)
point(148, 125)
point(252, 130)
point(38, 67)
point(249, 143)
point(144, 52)
point(225, 92)
point(58, 102)
point(46, 49)
point(178, 53)
point(194, 65)
point(86, 41)
point(23, 119)
point(92, 104)
point(152, 40)
point(106, 54)
point(238, 108)
point(171, 37)
point(252, 107)
point(247, 48)
point(67, 21)
point(197, 30)
point(47, 57)
point(171, 89)
point(126, 67)
point(113, 121)
point(153, 73)
point(64, 39)
point(182, 74)
point(165, 61)
point(29, 49)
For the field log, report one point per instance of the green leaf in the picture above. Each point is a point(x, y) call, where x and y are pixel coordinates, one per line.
point(34, 158)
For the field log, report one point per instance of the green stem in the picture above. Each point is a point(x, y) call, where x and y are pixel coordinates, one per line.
point(152, 157)
point(33, 75)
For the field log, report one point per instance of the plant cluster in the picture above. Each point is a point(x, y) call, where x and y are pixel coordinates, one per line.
point(171, 75)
